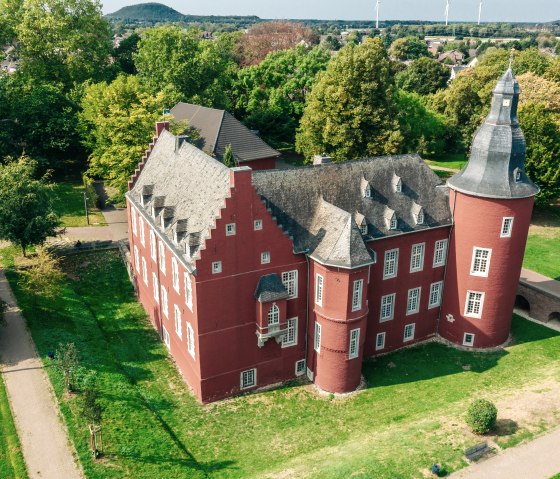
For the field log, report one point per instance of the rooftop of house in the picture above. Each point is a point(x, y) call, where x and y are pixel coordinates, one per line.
point(218, 129)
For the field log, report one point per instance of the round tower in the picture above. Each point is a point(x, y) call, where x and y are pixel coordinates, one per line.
point(491, 201)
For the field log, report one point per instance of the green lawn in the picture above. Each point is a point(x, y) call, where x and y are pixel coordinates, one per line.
point(455, 161)
point(409, 416)
point(69, 204)
point(542, 253)
point(12, 465)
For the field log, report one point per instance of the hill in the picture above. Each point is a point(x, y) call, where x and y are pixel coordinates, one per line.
point(149, 12)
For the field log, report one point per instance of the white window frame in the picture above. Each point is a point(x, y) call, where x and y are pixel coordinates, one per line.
point(292, 326)
point(364, 228)
point(144, 271)
point(382, 346)
point(216, 267)
point(507, 226)
point(440, 249)
point(178, 320)
point(164, 302)
point(392, 272)
point(468, 343)
point(468, 300)
point(420, 217)
point(398, 186)
point(265, 257)
point(136, 258)
point(175, 274)
point(153, 246)
point(413, 297)
point(417, 257)
point(435, 289)
point(367, 192)
point(257, 225)
point(386, 303)
point(161, 247)
point(246, 375)
point(230, 229)
point(302, 371)
point(481, 264)
point(133, 220)
point(393, 223)
point(273, 318)
point(290, 282)
point(354, 344)
point(409, 326)
point(165, 337)
point(357, 292)
point(142, 232)
point(155, 286)
point(317, 337)
point(319, 287)
point(188, 290)
point(190, 340)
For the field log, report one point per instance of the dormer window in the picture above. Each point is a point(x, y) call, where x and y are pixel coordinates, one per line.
point(153, 212)
point(420, 217)
point(517, 174)
point(364, 228)
point(398, 186)
point(393, 223)
point(163, 222)
point(367, 192)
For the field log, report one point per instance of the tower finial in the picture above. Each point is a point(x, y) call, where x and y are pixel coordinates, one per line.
point(511, 58)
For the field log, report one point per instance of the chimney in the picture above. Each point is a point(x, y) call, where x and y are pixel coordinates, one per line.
point(322, 159)
point(160, 126)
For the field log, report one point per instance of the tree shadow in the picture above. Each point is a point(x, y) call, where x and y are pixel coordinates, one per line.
point(505, 427)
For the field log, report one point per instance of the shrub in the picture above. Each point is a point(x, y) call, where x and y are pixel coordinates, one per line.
point(481, 416)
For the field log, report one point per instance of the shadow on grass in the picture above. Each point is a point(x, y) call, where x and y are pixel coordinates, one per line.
point(505, 427)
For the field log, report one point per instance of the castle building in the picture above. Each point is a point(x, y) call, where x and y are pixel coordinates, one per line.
point(255, 277)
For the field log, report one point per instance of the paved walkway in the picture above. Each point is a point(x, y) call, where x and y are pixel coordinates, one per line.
point(116, 229)
point(538, 459)
point(46, 449)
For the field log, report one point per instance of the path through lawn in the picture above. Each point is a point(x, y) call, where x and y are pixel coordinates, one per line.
point(12, 465)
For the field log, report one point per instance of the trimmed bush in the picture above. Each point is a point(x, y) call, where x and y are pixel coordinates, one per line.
point(481, 416)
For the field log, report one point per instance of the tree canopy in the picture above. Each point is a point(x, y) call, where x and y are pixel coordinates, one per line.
point(423, 76)
point(408, 48)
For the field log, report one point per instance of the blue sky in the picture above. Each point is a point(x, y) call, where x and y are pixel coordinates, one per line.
point(461, 10)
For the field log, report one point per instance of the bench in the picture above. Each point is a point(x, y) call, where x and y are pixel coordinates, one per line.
point(477, 451)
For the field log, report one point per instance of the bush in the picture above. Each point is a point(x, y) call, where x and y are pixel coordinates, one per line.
point(481, 416)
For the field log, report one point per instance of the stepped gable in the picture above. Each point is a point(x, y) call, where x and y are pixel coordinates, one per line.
point(185, 187)
point(496, 165)
point(318, 205)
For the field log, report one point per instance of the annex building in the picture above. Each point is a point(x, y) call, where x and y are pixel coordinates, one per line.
point(253, 277)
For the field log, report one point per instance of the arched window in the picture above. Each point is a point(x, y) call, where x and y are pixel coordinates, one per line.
point(273, 318)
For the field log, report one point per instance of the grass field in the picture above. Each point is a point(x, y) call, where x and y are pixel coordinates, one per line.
point(409, 416)
point(12, 465)
point(69, 204)
point(455, 161)
point(542, 253)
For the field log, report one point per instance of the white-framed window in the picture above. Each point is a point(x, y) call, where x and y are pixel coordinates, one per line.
point(188, 290)
point(166, 338)
point(357, 294)
point(354, 346)
point(136, 258)
point(390, 267)
point(317, 338)
point(380, 341)
point(155, 285)
point(417, 257)
point(474, 303)
point(248, 378)
point(319, 290)
point(413, 302)
point(435, 294)
point(290, 338)
point(133, 220)
point(153, 250)
point(273, 318)
point(507, 224)
point(517, 175)
point(367, 192)
point(300, 367)
point(265, 257)
point(290, 282)
point(440, 252)
point(387, 307)
point(164, 303)
point(480, 263)
point(393, 223)
point(190, 340)
point(230, 229)
point(175, 274)
point(178, 327)
point(468, 339)
point(142, 232)
point(420, 217)
point(144, 271)
point(398, 186)
point(409, 332)
point(216, 267)
point(257, 225)
point(161, 256)
point(364, 228)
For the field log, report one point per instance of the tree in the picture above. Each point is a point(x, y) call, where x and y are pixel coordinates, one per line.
point(536, 89)
point(228, 158)
point(350, 112)
point(423, 76)
point(531, 60)
point(124, 53)
point(553, 71)
point(26, 214)
point(408, 48)
point(331, 43)
point(481, 416)
point(67, 361)
point(43, 277)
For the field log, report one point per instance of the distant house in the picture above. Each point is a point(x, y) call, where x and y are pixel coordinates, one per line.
point(218, 129)
point(455, 70)
point(455, 57)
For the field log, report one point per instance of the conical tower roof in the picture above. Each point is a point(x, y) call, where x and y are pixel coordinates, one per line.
point(496, 167)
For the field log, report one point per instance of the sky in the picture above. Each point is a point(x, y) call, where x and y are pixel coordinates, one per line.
point(460, 10)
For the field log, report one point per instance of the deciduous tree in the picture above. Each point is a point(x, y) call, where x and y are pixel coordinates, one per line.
point(408, 48)
point(423, 76)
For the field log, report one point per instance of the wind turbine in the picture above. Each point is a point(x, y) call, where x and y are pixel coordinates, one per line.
point(479, 11)
point(377, 14)
point(447, 13)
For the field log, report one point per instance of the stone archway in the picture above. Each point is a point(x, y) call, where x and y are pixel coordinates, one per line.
point(522, 304)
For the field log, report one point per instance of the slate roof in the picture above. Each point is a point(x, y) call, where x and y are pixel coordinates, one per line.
point(218, 129)
point(319, 205)
point(496, 167)
point(270, 288)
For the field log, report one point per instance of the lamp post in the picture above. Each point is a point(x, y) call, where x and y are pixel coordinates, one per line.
point(85, 205)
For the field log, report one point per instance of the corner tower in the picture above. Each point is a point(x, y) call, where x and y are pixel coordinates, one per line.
point(491, 201)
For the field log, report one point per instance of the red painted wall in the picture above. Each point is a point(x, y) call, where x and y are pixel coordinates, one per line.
point(260, 164)
point(478, 222)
